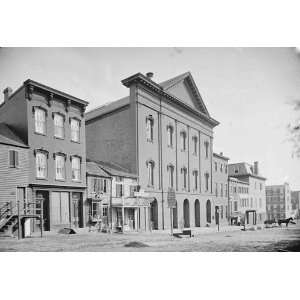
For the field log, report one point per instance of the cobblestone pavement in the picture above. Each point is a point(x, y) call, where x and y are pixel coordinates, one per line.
point(272, 239)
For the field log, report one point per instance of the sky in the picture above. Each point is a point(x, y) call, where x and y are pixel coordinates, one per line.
point(250, 91)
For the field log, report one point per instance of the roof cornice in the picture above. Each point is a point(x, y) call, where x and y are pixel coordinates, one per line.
point(43, 87)
point(142, 79)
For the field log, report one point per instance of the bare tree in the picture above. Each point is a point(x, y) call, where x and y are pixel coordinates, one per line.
point(294, 131)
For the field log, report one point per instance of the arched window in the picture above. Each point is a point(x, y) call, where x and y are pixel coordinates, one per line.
point(149, 128)
point(195, 145)
point(208, 211)
point(183, 140)
point(170, 169)
point(170, 131)
point(206, 145)
point(184, 177)
point(150, 169)
point(206, 181)
point(195, 179)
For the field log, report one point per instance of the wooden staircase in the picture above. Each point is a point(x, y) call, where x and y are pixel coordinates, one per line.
point(13, 215)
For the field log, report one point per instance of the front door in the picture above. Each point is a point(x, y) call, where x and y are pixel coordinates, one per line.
point(76, 209)
point(44, 196)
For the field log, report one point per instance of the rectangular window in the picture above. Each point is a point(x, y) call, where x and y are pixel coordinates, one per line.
point(119, 190)
point(59, 130)
point(206, 181)
point(216, 189)
point(76, 176)
point(149, 128)
point(195, 173)
point(150, 167)
point(41, 165)
point(59, 167)
point(206, 144)
point(75, 130)
point(221, 189)
point(195, 145)
point(13, 159)
point(216, 166)
point(170, 136)
point(184, 177)
point(183, 140)
point(171, 175)
point(40, 120)
point(235, 207)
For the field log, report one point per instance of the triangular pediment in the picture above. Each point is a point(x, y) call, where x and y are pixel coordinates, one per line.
point(184, 88)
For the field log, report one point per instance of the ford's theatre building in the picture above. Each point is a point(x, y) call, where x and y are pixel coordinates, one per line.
point(163, 133)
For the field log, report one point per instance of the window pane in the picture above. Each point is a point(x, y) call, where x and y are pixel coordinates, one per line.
point(75, 133)
point(41, 165)
point(75, 168)
point(59, 126)
point(60, 167)
point(40, 120)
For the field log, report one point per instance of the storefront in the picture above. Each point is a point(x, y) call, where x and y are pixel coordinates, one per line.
point(130, 214)
point(61, 207)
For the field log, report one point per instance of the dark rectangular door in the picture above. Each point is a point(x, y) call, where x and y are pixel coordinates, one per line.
point(77, 209)
point(44, 195)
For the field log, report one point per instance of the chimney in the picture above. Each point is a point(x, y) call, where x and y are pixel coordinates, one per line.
point(149, 75)
point(7, 92)
point(221, 153)
point(256, 167)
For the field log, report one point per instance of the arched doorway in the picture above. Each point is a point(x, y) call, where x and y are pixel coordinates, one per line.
point(186, 213)
point(175, 216)
point(154, 214)
point(208, 211)
point(197, 213)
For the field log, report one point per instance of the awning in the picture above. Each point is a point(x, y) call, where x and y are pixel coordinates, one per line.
point(132, 202)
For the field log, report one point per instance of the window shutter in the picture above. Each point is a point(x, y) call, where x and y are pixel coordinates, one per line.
point(16, 158)
point(11, 158)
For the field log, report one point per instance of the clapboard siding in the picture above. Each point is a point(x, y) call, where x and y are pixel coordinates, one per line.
point(10, 178)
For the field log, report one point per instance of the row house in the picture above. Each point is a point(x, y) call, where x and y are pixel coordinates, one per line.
point(163, 133)
point(122, 208)
point(278, 201)
point(254, 206)
point(14, 165)
point(220, 184)
point(238, 200)
point(52, 126)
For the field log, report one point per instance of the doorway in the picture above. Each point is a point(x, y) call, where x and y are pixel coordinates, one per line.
point(76, 210)
point(197, 213)
point(154, 214)
point(43, 195)
point(208, 211)
point(175, 216)
point(186, 213)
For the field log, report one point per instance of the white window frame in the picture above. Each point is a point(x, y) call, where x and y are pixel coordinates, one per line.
point(40, 115)
point(60, 167)
point(75, 137)
point(59, 129)
point(41, 171)
point(76, 173)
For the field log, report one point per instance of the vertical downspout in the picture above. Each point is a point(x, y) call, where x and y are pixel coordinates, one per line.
point(160, 163)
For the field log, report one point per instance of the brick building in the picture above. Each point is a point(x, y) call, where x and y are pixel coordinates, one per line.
point(255, 207)
point(295, 201)
point(164, 134)
point(278, 200)
point(220, 185)
point(238, 200)
point(52, 126)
